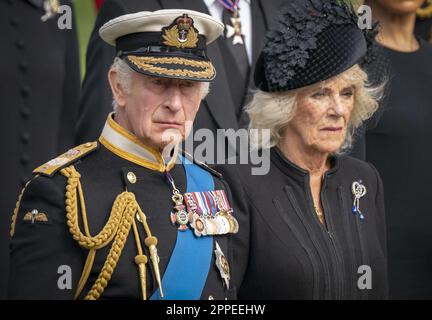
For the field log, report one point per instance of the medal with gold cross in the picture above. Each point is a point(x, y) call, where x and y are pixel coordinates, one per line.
point(235, 29)
point(179, 215)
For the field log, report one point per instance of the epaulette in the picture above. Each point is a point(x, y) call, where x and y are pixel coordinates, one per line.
point(201, 164)
point(54, 165)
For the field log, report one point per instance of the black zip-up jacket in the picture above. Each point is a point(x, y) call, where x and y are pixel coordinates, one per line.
point(292, 255)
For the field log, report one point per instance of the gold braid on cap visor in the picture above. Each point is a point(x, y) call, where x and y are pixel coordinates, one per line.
point(152, 64)
point(426, 11)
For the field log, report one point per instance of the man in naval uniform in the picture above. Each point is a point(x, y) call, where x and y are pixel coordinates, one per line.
point(129, 216)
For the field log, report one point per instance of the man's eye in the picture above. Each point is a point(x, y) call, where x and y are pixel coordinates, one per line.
point(188, 84)
point(158, 82)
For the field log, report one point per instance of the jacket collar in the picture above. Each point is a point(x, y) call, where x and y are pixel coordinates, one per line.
point(293, 170)
point(127, 146)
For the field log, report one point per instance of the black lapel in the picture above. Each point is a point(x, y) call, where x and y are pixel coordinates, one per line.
point(259, 27)
point(263, 13)
point(271, 9)
point(219, 101)
point(37, 3)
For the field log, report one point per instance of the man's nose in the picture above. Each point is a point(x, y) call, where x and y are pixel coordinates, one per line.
point(174, 100)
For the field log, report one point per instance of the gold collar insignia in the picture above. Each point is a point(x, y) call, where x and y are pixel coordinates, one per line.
point(127, 146)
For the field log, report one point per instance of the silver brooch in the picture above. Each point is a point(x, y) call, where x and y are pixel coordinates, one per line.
point(358, 190)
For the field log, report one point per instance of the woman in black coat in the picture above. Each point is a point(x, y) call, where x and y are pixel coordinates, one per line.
point(316, 218)
point(398, 143)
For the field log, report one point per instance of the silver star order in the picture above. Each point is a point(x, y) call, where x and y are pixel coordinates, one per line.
point(222, 265)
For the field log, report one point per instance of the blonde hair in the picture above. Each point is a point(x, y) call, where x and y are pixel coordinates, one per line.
point(274, 110)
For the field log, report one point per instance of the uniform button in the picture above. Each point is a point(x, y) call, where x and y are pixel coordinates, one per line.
point(25, 137)
point(23, 65)
point(25, 91)
point(25, 159)
point(19, 44)
point(131, 177)
point(211, 297)
point(25, 112)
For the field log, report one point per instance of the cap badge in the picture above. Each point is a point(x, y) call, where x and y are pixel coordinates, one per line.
point(181, 33)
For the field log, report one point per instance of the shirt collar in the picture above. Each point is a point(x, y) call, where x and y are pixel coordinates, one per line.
point(127, 146)
point(291, 169)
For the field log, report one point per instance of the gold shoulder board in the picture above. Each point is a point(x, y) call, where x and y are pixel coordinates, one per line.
point(52, 166)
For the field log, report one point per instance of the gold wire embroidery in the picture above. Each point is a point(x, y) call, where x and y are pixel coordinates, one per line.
point(148, 64)
point(171, 38)
point(426, 12)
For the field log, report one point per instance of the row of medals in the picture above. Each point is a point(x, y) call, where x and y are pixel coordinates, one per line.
point(222, 222)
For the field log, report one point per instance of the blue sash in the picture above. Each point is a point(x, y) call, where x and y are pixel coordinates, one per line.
point(189, 265)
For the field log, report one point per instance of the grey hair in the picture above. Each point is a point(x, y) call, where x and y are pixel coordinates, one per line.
point(273, 111)
point(125, 75)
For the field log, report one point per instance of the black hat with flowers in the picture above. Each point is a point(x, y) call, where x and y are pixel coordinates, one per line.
point(312, 41)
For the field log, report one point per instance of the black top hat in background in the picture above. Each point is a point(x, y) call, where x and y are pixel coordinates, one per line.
point(168, 43)
point(312, 41)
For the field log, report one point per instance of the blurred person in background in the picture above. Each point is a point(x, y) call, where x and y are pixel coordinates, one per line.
point(40, 92)
point(398, 143)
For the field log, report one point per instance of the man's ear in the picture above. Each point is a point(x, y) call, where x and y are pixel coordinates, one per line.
point(116, 88)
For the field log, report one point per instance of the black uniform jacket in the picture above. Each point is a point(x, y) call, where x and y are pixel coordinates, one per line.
point(41, 247)
point(292, 255)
